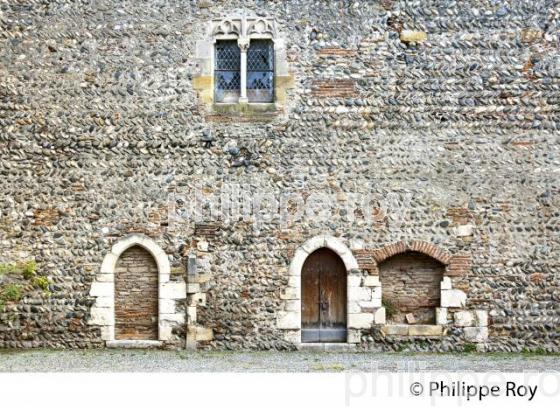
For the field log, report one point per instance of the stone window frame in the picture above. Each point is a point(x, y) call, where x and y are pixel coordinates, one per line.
point(242, 28)
point(102, 313)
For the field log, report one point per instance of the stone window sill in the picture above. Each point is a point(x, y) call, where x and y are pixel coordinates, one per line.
point(414, 330)
point(244, 108)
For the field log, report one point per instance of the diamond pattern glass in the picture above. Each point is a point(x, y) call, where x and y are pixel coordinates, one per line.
point(260, 71)
point(227, 78)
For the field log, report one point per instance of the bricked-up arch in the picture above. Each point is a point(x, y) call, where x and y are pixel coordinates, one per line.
point(454, 265)
point(136, 295)
point(411, 283)
point(103, 289)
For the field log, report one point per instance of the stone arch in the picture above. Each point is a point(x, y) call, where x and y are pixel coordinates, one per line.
point(110, 260)
point(289, 318)
point(103, 289)
point(322, 241)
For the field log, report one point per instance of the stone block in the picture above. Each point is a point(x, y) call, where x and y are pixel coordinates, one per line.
point(453, 298)
point(354, 336)
point(297, 262)
point(463, 318)
point(354, 281)
point(337, 246)
point(529, 35)
point(379, 316)
point(425, 330)
point(200, 299)
point(464, 230)
point(476, 334)
point(167, 306)
point(314, 244)
point(290, 293)
point(102, 316)
point(292, 336)
point(376, 293)
point(370, 304)
point(360, 320)
point(354, 307)
point(107, 332)
point(481, 317)
point(356, 244)
point(413, 36)
point(105, 277)
point(193, 288)
point(133, 344)
point(294, 281)
point(173, 290)
point(359, 294)
point(410, 319)
point(202, 246)
point(104, 301)
point(176, 318)
point(371, 281)
point(445, 284)
point(191, 315)
point(102, 289)
point(441, 316)
point(204, 334)
point(395, 330)
point(288, 320)
point(293, 305)
point(109, 263)
point(165, 331)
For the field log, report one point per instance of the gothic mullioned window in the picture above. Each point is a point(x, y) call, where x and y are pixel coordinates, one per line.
point(242, 66)
point(227, 76)
point(260, 71)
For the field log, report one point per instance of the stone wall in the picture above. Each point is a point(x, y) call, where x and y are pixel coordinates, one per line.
point(444, 115)
point(136, 296)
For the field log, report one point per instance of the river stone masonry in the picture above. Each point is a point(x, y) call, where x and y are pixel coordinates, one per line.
point(441, 117)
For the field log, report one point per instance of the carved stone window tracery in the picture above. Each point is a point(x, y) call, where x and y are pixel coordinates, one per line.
point(261, 78)
point(255, 42)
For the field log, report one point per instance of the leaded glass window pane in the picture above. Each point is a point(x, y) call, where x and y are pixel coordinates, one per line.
point(260, 71)
point(227, 79)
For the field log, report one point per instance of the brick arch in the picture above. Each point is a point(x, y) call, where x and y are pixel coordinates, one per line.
point(427, 248)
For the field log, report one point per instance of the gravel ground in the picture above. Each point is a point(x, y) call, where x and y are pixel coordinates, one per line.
point(177, 361)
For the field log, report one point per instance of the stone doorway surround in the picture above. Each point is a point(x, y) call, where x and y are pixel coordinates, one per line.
point(359, 294)
point(103, 290)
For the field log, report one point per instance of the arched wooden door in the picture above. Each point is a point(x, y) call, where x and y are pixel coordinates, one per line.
point(323, 304)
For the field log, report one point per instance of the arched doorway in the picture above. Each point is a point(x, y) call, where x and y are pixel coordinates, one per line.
point(323, 305)
point(136, 295)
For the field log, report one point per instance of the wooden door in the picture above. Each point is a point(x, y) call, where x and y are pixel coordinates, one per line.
point(323, 305)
